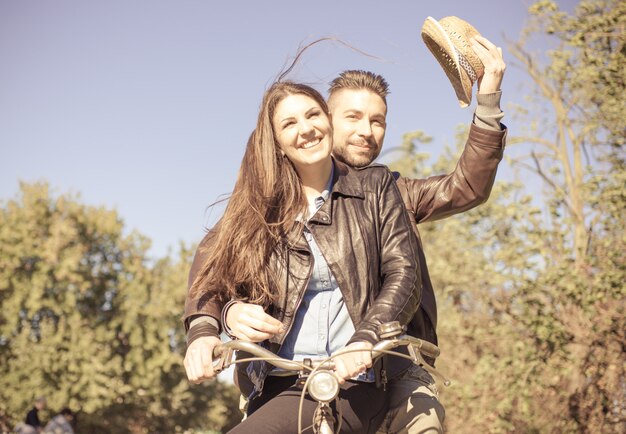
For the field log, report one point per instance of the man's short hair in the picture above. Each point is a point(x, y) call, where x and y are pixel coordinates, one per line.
point(357, 79)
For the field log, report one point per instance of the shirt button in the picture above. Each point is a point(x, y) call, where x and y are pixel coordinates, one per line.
point(323, 306)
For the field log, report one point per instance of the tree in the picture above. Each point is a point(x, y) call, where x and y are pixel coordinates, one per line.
point(529, 344)
point(576, 306)
point(531, 286)
point(577, 105)
point(91, 323)
point(476, 260)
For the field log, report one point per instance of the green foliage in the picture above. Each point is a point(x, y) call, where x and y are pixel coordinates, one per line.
point(409, 161)
point(531, 287)
point(577, 118)
point(88, 321)
point(589, 60)
point(532, 343)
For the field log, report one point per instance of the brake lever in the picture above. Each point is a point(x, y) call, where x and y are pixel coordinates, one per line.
point(224, 361)
point(417, 357)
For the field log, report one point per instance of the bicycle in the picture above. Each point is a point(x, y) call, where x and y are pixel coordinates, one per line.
point(317, 377)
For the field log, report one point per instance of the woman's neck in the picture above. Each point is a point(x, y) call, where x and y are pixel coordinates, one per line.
point(315, 178)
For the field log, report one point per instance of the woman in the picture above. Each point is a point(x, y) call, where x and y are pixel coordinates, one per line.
point(325, 250)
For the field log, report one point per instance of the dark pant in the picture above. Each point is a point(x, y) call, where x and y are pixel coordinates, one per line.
point(363, 408)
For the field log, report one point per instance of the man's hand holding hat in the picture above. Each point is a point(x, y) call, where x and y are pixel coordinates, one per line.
point(494, 66)
point(465, 56)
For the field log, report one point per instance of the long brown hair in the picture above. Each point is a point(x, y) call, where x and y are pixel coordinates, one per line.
point(262, 212)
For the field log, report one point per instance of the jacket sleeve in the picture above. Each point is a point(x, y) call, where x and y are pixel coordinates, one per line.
point(466, 187)
point(401, 284)
point(205, 303)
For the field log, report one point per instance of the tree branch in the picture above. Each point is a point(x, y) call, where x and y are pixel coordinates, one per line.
point(538, 140)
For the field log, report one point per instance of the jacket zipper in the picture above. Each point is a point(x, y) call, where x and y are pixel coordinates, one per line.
point(300, 297)
point(297, 306)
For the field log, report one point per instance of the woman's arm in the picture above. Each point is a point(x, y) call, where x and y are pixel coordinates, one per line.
point(400, 291)
point(401, 286)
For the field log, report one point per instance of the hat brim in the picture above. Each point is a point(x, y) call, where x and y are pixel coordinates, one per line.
point(440, 45)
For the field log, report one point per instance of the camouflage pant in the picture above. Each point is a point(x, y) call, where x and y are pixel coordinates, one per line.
point(414, 407)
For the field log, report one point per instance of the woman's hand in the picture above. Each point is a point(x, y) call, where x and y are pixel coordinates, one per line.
point(491, 57)
point(199, 359)
point(249, 322)
point(350, 363)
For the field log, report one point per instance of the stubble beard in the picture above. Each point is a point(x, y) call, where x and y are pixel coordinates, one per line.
point(355, 160)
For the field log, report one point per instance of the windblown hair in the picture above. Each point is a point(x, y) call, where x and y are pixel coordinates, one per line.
point(357, 79)
point(261, 215)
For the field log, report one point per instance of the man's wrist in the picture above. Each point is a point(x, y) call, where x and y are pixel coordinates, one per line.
point(198, 319)
point(199, 330)
point(488, 103)
point(488, 113)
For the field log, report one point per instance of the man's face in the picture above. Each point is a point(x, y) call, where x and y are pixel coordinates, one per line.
point(358, 118)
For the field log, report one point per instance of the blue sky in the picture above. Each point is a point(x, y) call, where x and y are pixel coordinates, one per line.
point(145, 106)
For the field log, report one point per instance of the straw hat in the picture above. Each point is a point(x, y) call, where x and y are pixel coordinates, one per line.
point(449, 41)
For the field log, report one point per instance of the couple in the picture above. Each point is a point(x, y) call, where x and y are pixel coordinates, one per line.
point(316, 249)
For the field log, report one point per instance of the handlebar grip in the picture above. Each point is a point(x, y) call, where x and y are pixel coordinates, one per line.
point(429, 349)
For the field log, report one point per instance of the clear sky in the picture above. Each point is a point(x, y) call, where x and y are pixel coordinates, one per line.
point(145, 106)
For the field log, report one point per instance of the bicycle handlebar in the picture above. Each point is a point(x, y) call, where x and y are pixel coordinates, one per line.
point(381, 347)
point(258, 351)
point(317, 383)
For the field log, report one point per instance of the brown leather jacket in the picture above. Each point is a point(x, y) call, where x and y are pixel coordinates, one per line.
point(427, 199)
point(365, 234)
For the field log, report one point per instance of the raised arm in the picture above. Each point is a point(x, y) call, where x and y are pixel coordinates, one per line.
point(470, 183)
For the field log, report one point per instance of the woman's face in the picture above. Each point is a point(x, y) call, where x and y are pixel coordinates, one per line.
point(302, 130)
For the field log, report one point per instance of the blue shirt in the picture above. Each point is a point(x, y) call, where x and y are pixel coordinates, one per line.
point(322, 324)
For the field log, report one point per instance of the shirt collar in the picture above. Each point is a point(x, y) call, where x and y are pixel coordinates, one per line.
point(329, 185)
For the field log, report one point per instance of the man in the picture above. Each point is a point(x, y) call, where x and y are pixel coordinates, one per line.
point(357, 102)
point(32, 418)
